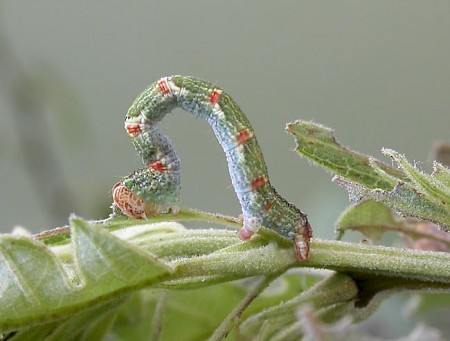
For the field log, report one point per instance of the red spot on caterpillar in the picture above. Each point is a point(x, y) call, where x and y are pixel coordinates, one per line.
point(268, 206)
point(128, 202)
point(163, 86)
point(243, 136)
point(215, 95)
point(157, 166)
point(133, 129)
point(258, 182)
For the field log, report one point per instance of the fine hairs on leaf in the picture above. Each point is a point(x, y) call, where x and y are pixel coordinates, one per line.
point(406, 190)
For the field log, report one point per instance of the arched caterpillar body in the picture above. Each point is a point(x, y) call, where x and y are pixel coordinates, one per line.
point(156, 188)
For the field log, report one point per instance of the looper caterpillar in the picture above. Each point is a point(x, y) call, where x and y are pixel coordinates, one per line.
point(156, 188)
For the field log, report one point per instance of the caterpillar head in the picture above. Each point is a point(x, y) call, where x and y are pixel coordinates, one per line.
point(145, 193)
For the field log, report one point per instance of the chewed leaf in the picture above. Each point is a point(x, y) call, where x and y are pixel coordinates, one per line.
point(408, 191)
point(106, 260)
point(36, 287)
point(426, 183)
point(318, 144)
point(404, 199)
point(441, 174)
point(371, 218)
point(410, 202)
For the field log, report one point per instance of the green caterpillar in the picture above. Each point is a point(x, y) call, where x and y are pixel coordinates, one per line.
point(156, 188)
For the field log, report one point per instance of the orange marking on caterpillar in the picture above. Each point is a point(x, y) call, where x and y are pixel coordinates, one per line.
point(129, 203)
point(258, 182)
point(133, 129)
point(158, 166)
point(164, 87)
point(268, 206)
point(215, 95)
point(243, 136)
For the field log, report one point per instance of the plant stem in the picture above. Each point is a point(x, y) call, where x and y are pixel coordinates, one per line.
point(420, 268)
point(267, 255)
point(157, 321)
point(334, 289)
point(233, 317)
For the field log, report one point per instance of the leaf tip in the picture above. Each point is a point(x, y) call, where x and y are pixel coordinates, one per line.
point(76, 221)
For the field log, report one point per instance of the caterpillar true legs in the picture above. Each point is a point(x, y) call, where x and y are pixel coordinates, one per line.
point(156, 188)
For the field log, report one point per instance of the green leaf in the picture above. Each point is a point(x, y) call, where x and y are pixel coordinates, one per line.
point(427, 303)
point(372, 219)
point(104, 260)
point(191, 314)
point(404, 199)
point(343, 330)
point(35, 286)
point(90, 324)
point(318, 144)
point(337, 288)
point(441, 174)
point(424, 182)
point(368, 217)
point(194, 314)
point(409, 192)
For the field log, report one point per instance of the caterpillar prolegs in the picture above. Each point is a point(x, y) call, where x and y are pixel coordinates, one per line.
point(156, 188)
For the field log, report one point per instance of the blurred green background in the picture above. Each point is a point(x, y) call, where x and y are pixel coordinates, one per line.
point(376, 71)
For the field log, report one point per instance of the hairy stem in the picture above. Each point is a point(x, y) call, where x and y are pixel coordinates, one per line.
point(215, 255)
point(233, 318)
point(158, 317)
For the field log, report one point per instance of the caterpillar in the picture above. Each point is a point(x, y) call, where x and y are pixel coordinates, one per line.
point(156, 188)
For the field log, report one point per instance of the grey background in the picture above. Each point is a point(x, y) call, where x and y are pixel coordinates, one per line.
point(376, 71)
